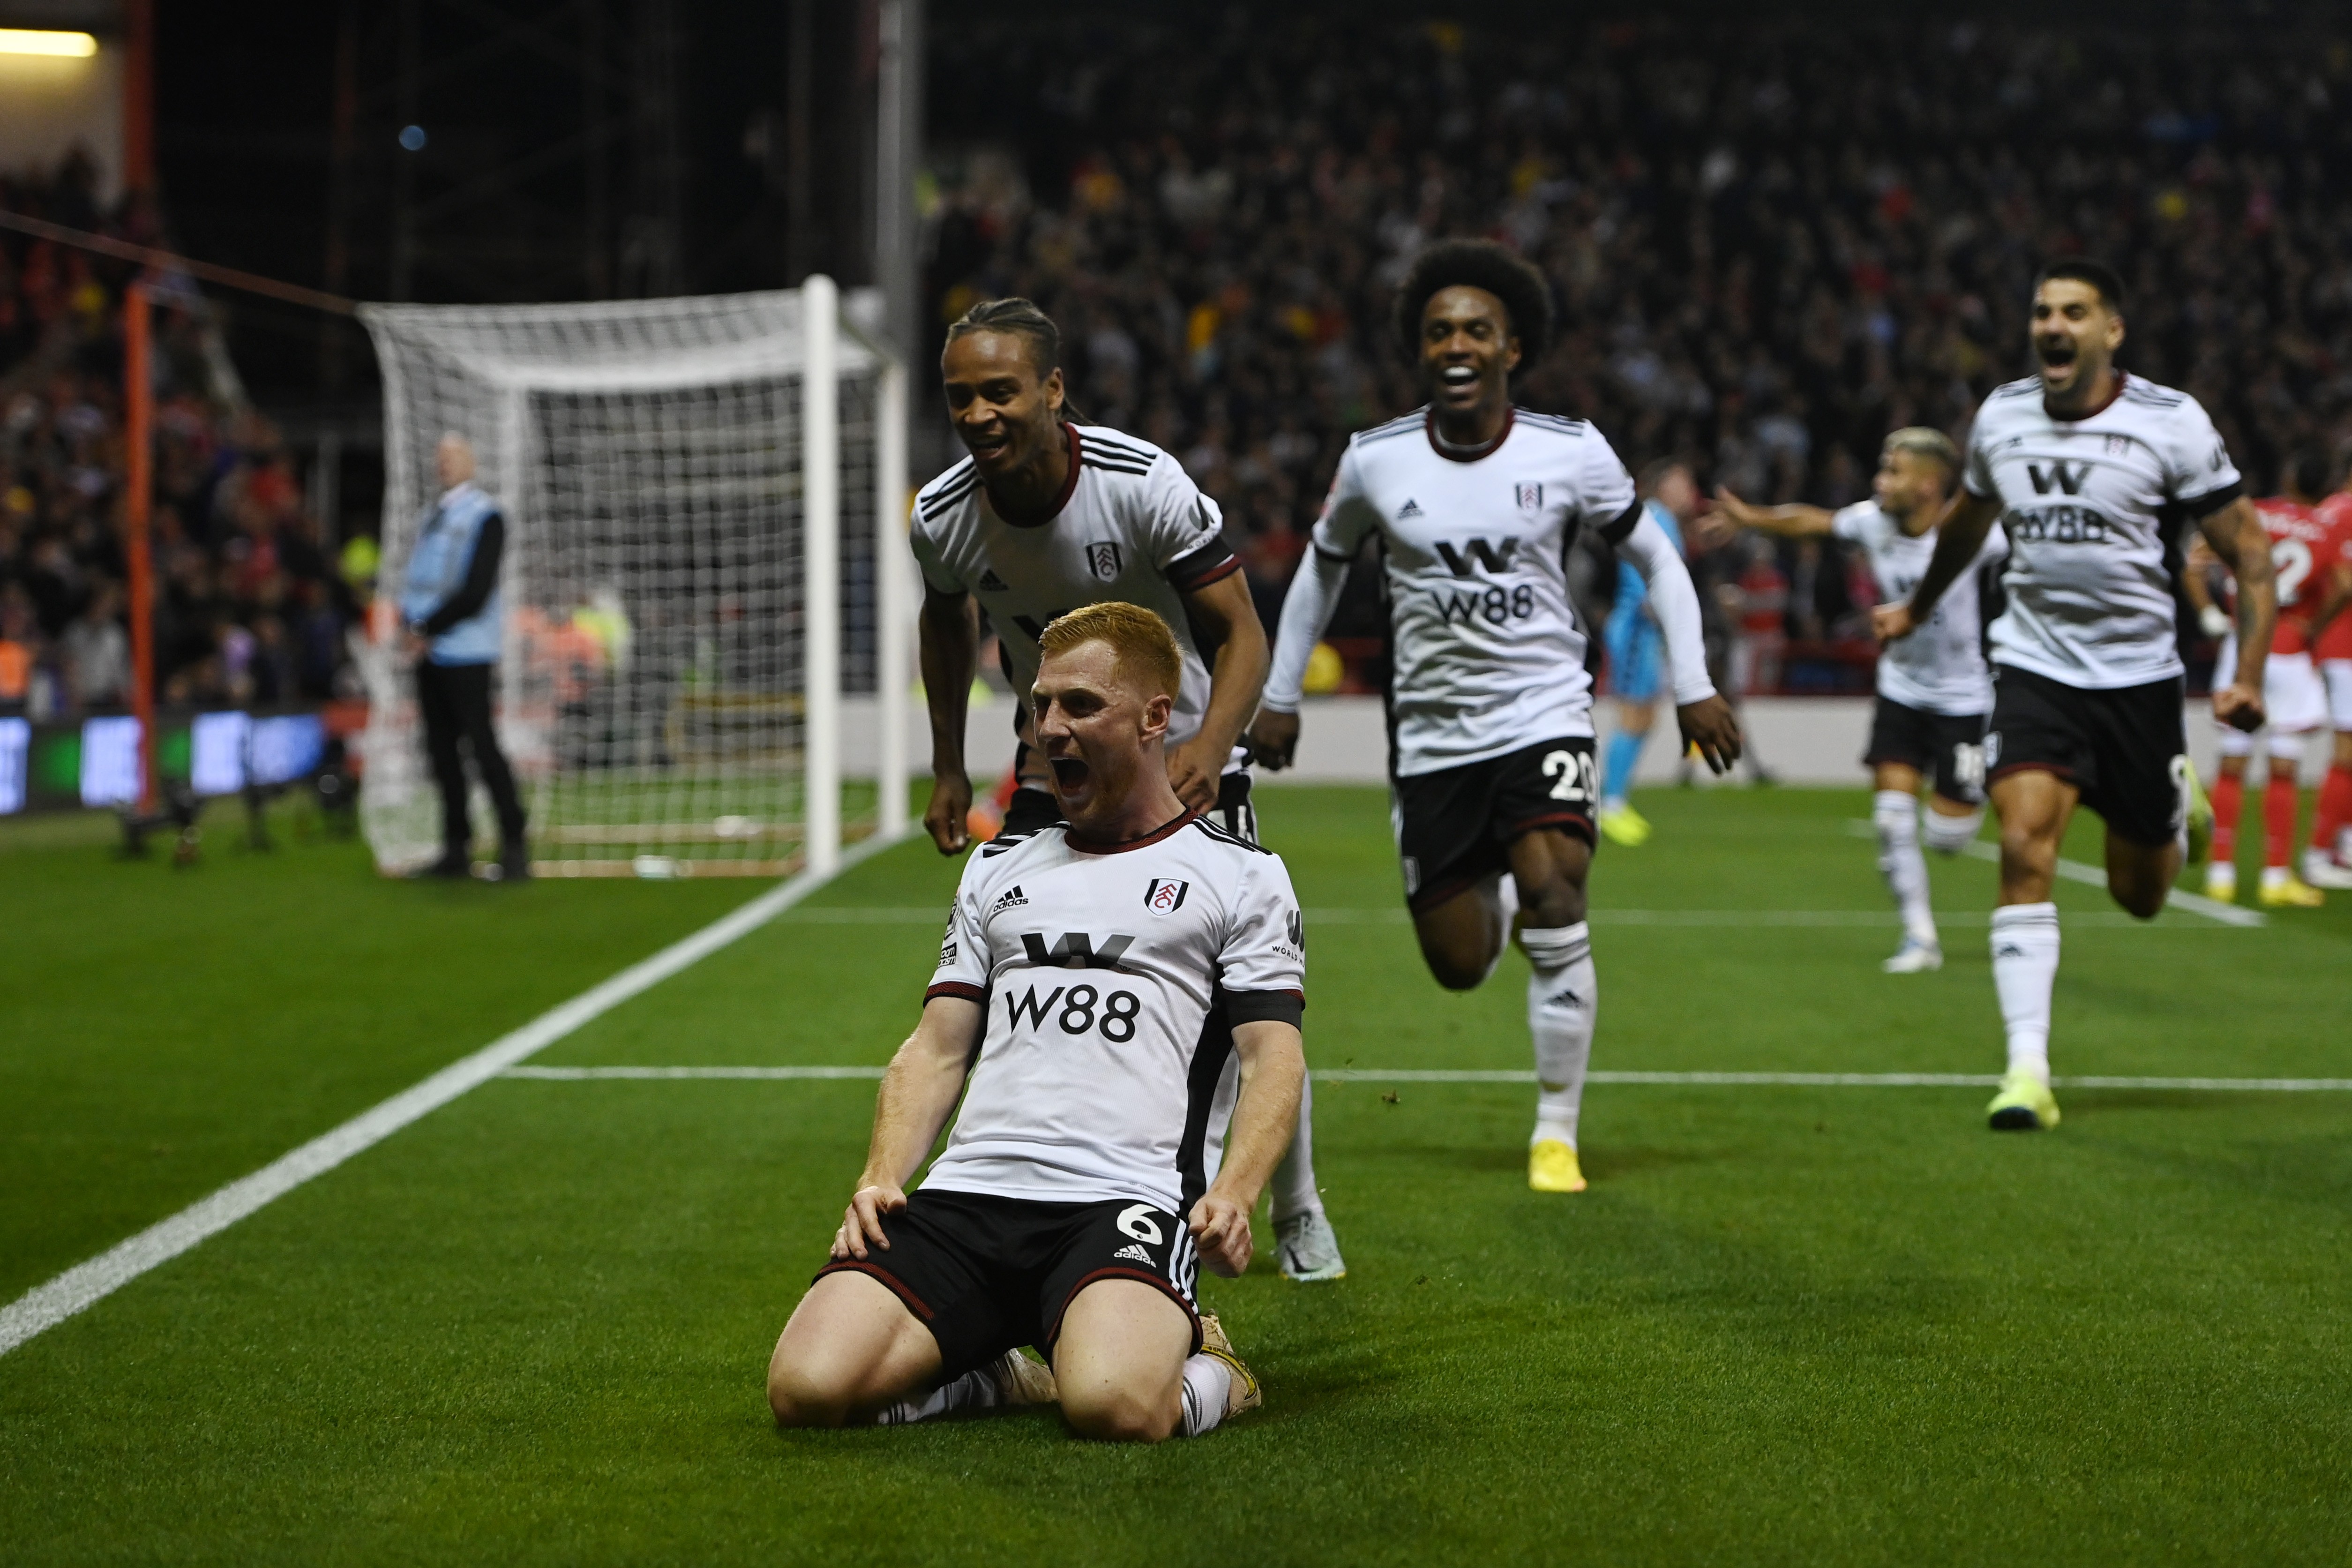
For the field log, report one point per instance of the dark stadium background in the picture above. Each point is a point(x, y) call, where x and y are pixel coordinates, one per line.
point(1771, 240)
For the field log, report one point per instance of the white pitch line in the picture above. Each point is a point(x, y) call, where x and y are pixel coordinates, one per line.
point(1484, 1074)
point(2095, 876)
point(1872, 920)
point(47, 1305)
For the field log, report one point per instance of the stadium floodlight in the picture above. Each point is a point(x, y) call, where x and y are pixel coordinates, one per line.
point(46, 41)
point(704, 504)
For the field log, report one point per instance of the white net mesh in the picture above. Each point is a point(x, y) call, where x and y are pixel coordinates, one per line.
point(648, 457)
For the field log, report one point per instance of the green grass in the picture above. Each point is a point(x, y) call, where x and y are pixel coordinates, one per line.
point(1786, 1325)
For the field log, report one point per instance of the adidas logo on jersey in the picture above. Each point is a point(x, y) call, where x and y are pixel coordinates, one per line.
point(1134, 1254)
point(990, 583)
point(1012, 899)
point(1411, 508)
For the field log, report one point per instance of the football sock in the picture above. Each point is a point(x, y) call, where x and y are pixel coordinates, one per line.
point(1617, 764)
point(2334, 808)
point(1950, 835)
point(1294, 1179)
point(2280, 802)
point(1900, 862)
point(975, 1390)
point(2024, 970)
point(2228, 801)
point(1562, 994)
point(1208, 1384)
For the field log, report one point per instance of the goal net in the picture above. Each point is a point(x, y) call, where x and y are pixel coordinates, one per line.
point(705, 556)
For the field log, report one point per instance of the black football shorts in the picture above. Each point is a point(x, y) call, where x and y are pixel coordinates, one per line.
point(1454, 825)
point(1950, 749)
point(2126, 748)
point(988, 1274)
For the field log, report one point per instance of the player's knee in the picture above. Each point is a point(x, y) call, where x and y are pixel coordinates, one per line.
point(1117, 1415)
point(1453, 972)
point(1950, 835)
point(2139, 898)
point(799, 1398)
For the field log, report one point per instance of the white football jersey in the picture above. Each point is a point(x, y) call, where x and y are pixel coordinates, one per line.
point(1113, 977)
point(2087, 504)
point(1132, 526)
point(1941, 668)
point(1488, 656)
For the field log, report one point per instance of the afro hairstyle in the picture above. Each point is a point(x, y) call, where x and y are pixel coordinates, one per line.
point(1477, 264)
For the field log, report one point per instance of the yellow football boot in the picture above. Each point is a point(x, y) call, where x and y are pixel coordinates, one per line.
point(2290, 892)
point(2024, 1105)
point(1552, 1167)
point(1625, 826)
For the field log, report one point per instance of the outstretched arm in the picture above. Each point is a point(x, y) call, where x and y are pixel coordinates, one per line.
point(2237, 535)
point(950, 656)
point(1792, 522)
point(1273, 1074)
point(1313, 600)
point(1223, 610)
point(919, 1090)
point(1706, 720)
point(1958, 537)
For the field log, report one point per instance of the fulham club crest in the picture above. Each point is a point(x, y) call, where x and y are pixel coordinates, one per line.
point(1530, 497)
point(1102, 560)
point(1165, 897)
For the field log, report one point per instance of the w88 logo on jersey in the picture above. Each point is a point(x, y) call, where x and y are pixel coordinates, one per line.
point(1075, 1010)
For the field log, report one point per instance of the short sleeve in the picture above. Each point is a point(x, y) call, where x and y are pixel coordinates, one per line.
point(938, 575)
point(1263, 962)
point(1606, 500)
point(2198, 473)
point(1347, 513)
point(1185, 530)
point(963, 950)
point(1851, 523)
point(1976, 469)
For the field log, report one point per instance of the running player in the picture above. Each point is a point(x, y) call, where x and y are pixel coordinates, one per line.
point(2294, 700)
point(1047, 515)
point(1476, 503)
point(1933, 690)
point(1637, 656)
point(1094, 977)
point(2084, 465)
point(2329, 862)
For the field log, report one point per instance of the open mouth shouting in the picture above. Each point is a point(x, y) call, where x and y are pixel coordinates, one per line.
point(1070, 775)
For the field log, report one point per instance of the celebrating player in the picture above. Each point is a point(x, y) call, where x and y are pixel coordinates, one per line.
point(2082, 464)
point(1933, 690)
point(1635, 654)
point(2294, 700)
point(1095, 976)
point(1048, 514)
point(1476, 503)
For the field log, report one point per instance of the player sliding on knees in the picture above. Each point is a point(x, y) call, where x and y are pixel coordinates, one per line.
point(1049, 513)
point(1933, 690)
point(2083, 464)
point(1475, 504)
point(1095, 977)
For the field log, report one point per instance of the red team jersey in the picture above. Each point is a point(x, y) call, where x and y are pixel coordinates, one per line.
point(2336, 513)
point(2305, 550)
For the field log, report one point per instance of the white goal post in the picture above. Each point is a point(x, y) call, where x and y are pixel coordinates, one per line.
point(705, 577)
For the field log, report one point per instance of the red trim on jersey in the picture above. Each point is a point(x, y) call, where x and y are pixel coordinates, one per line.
point(1069, 489)
point(1088, 846)
point(1466, 455)
point(2121, 377)
point(970, 993)
point(1217, 573)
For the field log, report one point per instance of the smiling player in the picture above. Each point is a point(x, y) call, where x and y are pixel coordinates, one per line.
point(1048, 514)
point(1476, 503)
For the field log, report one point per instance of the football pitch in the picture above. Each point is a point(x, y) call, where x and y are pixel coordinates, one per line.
point(1792, 1321)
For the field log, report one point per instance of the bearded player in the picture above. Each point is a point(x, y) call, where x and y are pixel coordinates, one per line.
point(1095, 976)
point(1474, 504)
point(2295, 701)
point(1047, 515)
point(2084, 466)
point(1933, 690)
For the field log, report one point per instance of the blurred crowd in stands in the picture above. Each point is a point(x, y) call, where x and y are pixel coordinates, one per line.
point(1770, 242)
point(249, 607)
